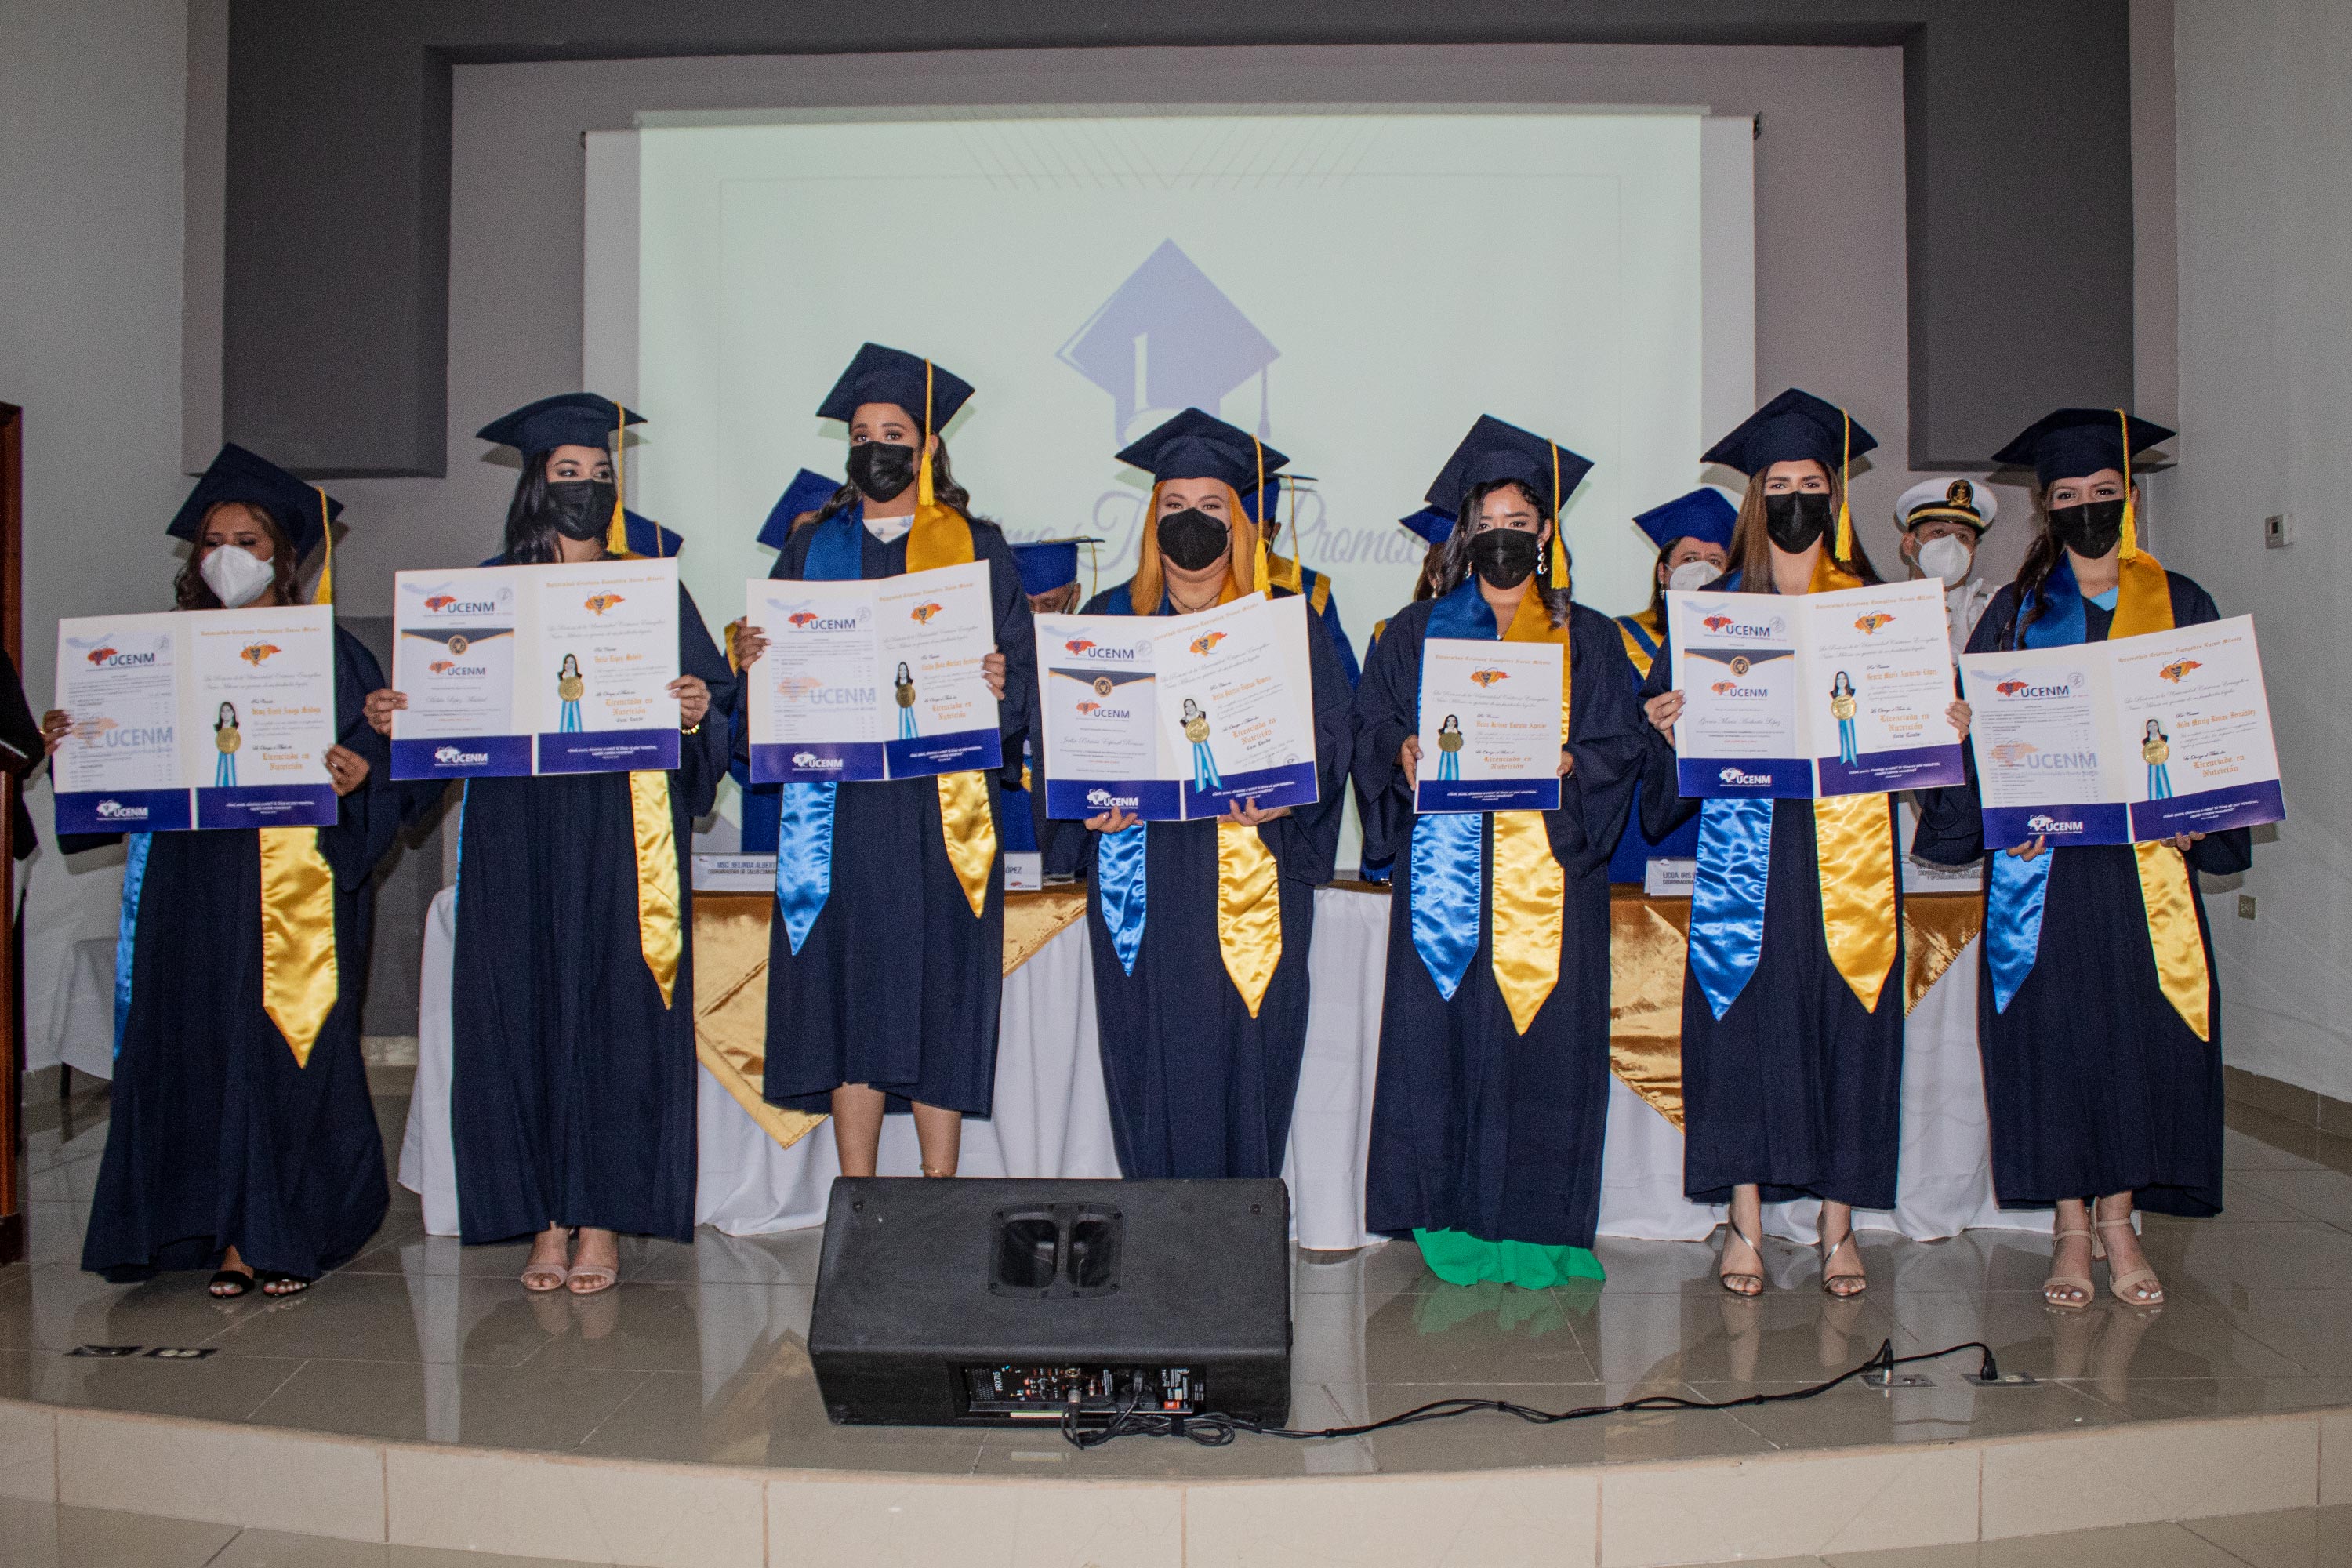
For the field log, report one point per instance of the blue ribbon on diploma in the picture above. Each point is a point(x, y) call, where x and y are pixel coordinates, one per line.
point(805, 823)
point(1449, 862)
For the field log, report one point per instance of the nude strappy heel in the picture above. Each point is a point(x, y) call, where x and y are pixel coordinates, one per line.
point(2120, 1285)
point(1747, 1286)
point(1845, 1287)
point(2080, 1283)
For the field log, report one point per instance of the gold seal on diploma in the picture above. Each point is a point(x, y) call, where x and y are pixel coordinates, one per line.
point(570, 687)
point(457, 643)
point(227, 738)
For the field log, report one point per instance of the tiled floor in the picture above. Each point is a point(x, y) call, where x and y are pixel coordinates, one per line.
point(698, 1354)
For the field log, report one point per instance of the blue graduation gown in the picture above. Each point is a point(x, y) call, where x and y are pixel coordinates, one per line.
point(1476, 1127)
point(1795, 1088)
point(572, 1093)
point(1629, 861)
point(898, 983)
point(2093, 1082)
point(1197, 1086)
point(216, 1136)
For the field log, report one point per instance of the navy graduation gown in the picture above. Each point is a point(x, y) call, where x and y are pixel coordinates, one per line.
point(1795, 1088)
point(1197, 1086)
point(217, 1137)
point(572, 1093)
point(1476, 1127)
point(1629, 861)
point(2094, 1083)
point(898, 983)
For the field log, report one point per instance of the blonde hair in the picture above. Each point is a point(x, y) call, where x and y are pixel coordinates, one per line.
point(1145, 588)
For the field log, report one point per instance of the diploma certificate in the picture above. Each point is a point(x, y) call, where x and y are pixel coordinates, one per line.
point(1489, 726)
point(2124, 742)
point(515, 670)
point(1173, 717)
point(1815, 695)
point(217, 719)
point(873, 679)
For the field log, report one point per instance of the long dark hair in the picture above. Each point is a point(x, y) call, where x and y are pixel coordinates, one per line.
point(531, 535)
point(1454, 556)
point(1658, 582)
point(1751, 544)
point(191, 592)
point(944, 488)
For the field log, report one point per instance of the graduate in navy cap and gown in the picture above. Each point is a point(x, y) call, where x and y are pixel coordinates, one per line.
point(1493, 1076)
point(1693, 533)
point(1792, 1000)
point(886, 956)
point(1049, 576)
point(571, 1089)
point(242, 1139)
point(1203, 1029)
point(2100, 1012)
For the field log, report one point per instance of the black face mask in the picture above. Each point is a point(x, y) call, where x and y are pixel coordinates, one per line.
point(1192, 540)
point(1793, 519)
point(1503, 557)
point(2090, 530)
point(580, 509)
point(881, 469)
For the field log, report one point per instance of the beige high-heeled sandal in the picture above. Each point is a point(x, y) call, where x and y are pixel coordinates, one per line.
point(2080, 1283)
point(1843, 1286)
point(2120, 1285)
point(1746, 1285)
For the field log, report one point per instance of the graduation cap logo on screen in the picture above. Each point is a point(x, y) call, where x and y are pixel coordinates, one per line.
point(1166, 339)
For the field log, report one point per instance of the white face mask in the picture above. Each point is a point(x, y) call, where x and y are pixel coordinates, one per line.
point(1947, 557)
point(1692, 576)
point(236, 576)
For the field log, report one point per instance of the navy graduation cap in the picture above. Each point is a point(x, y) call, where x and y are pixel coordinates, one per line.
point(807, 492)
point(1049, 563)
point(2072, 443)
point(1432, 524)
point(238, 475)
point(880, 374)
point(1494, 452)
point(567, 419)
point(1794, 426)
point(1702, 514)
point(1169, 338)
point(1197, 446)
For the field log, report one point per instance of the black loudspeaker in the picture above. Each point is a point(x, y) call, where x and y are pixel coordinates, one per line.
point(947, 1303)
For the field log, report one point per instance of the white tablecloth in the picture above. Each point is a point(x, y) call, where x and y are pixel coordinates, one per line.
point(1051, 1118)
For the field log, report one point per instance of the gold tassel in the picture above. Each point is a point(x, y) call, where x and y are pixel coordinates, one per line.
point(298, 980)
point(1249, 910)
point(1845, 479)
point(1258, 577)
point(326, 594)
point(658, 906)
point(1558, 548)
point(616, 534)
point(2129, 547)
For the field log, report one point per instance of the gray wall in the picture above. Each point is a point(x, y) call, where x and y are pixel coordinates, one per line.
point(90, 222)
point(1831, 264)
point(2265, 314)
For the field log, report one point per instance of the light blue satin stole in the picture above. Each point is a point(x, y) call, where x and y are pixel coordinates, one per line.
point(1735, 860)
point(1120, 858)
point(1449, 848)
point(837, 554)
point(2018, 891)
point(126, 934)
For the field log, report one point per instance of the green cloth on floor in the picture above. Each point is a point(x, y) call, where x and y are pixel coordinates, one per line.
point(1460, 1258)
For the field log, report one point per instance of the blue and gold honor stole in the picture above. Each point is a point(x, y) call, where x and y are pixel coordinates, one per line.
point(938, 537)
point(1449, 874)
point(2019, 889)
point(1249, 899)
point(1641, 639)
point(1856, 855)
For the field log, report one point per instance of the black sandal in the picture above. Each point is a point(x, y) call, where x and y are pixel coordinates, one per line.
point(277, 1285)
point(240, 1283)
